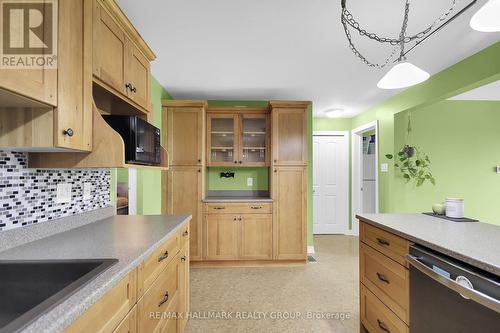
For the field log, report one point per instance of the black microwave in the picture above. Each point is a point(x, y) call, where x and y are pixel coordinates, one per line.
point(142, 140)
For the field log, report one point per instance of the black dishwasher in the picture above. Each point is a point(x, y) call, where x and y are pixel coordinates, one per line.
point(447, 295)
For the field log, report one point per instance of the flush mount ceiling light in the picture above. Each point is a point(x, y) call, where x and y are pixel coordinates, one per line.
point(334, 113)
point(403, 74)
point(487, 19)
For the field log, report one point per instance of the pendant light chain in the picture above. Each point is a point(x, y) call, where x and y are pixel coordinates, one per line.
point(348, 20)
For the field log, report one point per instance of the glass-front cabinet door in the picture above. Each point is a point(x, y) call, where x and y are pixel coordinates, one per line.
point(222, 140)
point(254, 150)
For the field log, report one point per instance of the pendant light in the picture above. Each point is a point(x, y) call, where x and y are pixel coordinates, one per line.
point(487, 19)
point(402, 75)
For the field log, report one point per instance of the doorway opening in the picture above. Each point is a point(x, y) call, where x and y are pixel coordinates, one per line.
point(126, 192)
point(330, 182)
point(364, 172)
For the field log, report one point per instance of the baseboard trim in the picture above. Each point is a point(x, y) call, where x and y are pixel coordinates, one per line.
point(245, 263)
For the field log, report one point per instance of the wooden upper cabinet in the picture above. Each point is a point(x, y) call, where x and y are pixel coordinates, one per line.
point(39, 84)
point(73, 115)
point(289, 132)
point(68, 125)
point(290, 212)
point(185, 124)
point(236, 137)
point(222, 140)
point(121, 59)
point(137, 76)
point(109, 49)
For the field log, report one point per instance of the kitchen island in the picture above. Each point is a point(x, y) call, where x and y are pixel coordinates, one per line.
point(421, 273)
point(132, 240)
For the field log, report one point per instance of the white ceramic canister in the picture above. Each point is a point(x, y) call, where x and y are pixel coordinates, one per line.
point(455, 207)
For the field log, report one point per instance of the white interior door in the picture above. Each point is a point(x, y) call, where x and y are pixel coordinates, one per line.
point(330, 183)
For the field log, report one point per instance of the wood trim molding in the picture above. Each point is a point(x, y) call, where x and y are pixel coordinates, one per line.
point(185, 103)
point(112, 7)
point(246, 263)
point(238, 110)
point(290, 104)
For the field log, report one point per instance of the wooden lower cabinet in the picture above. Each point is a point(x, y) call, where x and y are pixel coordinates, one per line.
point(221, 237)
point(105, 315)
point(256, 240)
point(183, 307)
point(134, 306)
point(384, 281)
point(184, 195)
point(289, 212)
point(129, 324)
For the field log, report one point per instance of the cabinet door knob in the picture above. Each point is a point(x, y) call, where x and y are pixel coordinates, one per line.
point(128, 86)
point(275, 170)
point(199, 161)
point(183, 258)
point(199, 170)
point(275, 161)
point(185, 234)
point(235, 162)
point(68, 132)
point(240, 162)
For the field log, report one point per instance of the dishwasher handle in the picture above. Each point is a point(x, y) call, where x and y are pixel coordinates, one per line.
point(477, 296)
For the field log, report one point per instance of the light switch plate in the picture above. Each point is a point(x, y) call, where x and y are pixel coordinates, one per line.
point(498, 168)
point(249, 181)
point(384, 167)
point(87, 189)
point(63, 193)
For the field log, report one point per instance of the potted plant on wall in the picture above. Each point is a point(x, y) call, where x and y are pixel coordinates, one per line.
point(412, 162)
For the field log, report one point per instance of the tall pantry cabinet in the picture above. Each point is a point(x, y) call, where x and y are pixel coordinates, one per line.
point(184, 182)
point(289, 179)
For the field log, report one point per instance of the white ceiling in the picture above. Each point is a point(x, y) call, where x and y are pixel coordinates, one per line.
point(289, 49)
point(488, 92)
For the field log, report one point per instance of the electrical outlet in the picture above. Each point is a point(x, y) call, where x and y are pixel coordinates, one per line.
point(63, 193)
point(249, 181)
point(384, 167)
point(498, 168)
point(87, 189)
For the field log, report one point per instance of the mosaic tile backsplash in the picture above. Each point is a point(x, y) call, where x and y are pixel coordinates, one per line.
point(28, 196)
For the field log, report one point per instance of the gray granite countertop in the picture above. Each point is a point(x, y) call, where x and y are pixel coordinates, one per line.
point(130, 239)
point(475, 243)
point(236, 199)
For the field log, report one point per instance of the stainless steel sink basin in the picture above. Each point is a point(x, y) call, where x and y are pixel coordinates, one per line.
point(28, 289)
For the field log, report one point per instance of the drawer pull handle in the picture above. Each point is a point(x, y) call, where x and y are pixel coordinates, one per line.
point(163, 300)
point(163, 256)
point(383, 326)
point(219, 208)
point(382, 241)
point(256, 207)
point(183, 258)
point(382, 278)
point(185, 234)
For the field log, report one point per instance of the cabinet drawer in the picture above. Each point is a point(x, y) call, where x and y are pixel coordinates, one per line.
point(105, 315)
point(239, 208)
point(184, 235)
point(389, 244)
point(129, 324)
point(154, 265)
point(378, 318)
point(159, 298)
point(385, 278)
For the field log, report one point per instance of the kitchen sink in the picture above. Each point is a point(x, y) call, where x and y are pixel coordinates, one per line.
point(28, 289)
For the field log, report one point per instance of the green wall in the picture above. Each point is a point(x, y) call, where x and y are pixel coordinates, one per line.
point(239, 182)
point(149, 194)
point(462, 141)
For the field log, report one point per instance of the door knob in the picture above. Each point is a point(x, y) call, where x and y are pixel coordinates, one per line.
point(68, 132)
